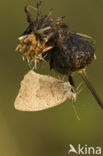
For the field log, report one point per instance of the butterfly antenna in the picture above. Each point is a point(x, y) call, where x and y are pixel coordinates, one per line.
point(75, 111)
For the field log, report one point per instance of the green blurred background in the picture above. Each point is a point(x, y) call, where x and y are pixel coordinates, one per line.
point(48, 133)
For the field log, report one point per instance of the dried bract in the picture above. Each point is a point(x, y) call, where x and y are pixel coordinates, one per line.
point(31, 47)
point(40, 35)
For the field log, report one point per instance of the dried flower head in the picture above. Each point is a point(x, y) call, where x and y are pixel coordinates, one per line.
point(40, 35)
point(67, 52)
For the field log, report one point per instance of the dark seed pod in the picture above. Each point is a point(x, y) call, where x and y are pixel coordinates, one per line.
point(72, 53)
